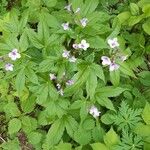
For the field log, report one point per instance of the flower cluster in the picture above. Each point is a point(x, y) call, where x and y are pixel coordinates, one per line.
point(82, 45)
point(83, 22)
point(59, 87)
point(13, 55)
point(106, 61)
point(66, 54)
point(94, 112)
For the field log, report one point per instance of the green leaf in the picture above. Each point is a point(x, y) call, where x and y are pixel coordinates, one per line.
point(14, 126)
point(76, 4)
point(31, 75)
point(115, 77)
point(50, 3)
point(28, 104)
point(82, 136)
point(125, 68)
point(42, 95)
point(146, 113)
point(106, 102)
point(71, 126)
point(46, 65)
point(55, 132)
point(34, 137)
point(64, 146)
point(12, 109)
point(51, 20)
point(142, 130)
point(35, 40)
point(23, 42)
point(134, 9)
point(109, 91)
point(111, 138)
point(91, 84)
point(107, 119)
point(97, 69)
point(11, 144)
point(135, 19)
point(88, 124)
point(123, 17)
point(99, 146)
point(146, 26)
point(89, 7)
point(20, 81)
point(29, 124)
point(146, 10)
point(97, 42)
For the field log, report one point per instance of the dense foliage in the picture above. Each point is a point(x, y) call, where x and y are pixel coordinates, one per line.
point(74, 75)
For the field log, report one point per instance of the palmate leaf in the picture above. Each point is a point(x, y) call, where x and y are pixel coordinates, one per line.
point(126, 117)
point(129, 141)
point(35, 39)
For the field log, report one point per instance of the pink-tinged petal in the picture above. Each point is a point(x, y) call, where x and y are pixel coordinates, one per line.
point(75, 46)
point(65, 26)
point(113, 66)
point(105, 60)
point(70, 82)
point(66, 54)
point(9, 67)
point(84, 45)
point(14, 54)
point(84, 22)
point(52, 76)
point(113, 42)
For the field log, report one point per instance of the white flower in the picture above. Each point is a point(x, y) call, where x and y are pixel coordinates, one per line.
point(72, 59)
point(70, 82)
point(113, 66)
point(61, 92)
point(58, 86)
point(75, 46)
point(66, 54)
point(84, 22)
point(113, 42)
point(105, 60)
point(9, 67)
point(65, 26)
point(52, 76)
point(14, 54)
point(94, 112)
point(84, 45)
point(78, 9)
point(68, 7)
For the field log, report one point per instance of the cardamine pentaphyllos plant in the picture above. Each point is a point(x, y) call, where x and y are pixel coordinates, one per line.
point(74, 75)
